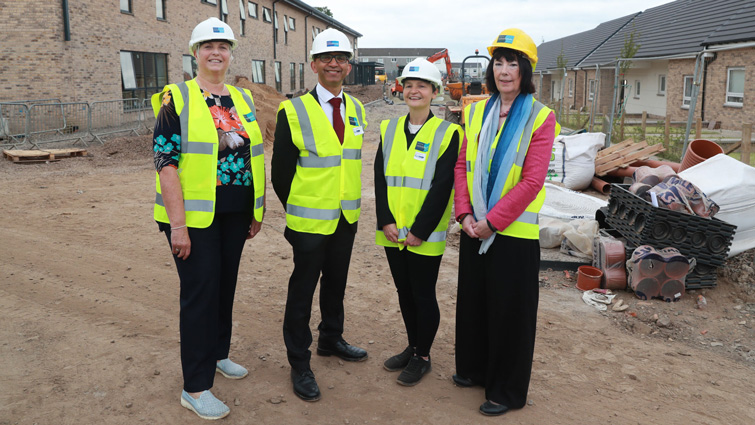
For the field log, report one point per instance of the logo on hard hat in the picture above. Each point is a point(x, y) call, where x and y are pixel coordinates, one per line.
point(507, 39)
point(332, 43)
point(413, 68)
point(218, 29)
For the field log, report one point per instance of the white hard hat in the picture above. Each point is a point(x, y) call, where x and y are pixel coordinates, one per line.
point(330, 40)
point(422, 69)
point(211, 29)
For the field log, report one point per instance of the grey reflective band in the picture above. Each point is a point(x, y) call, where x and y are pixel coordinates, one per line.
point(469, 166)
point(258, 149)
point(527, 134)
point(390, 131)
point(305, 124)
point(359, 110)
point(439, 236)
point(313, 213)
point(183, 117)
point(259, 202)
point(189, 204)
point(440, 133)
point(347, 205)
point(248, 101)
point(319, 162)
point(471, 113)
point(393, 181)
point(352, 154)
point(403, 181)
point(197, 147)
point(528, 217)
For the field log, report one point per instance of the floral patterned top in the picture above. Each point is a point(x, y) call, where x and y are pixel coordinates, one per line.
point(234, 175)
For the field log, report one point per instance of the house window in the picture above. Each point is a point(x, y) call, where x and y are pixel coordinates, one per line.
point(291, 23)
point(380, 60)
point(661, 85)
point(258, 72)
point(126, 6)
point(285, 29)
point(252, 10)
point(687, 95)
point(160, 9)
point(242, 11)
point(143, 74)
point(292, 71)
point(735, 87)
point(266, 16)
point(571, 88)
point(408, 60)
point(637, 89)
point(224, 10)
point(278, 85)
point(275, 24)
point(592, 90)
point(301, 76)
point(215, 2)
point(394, 60)
point(189, 67)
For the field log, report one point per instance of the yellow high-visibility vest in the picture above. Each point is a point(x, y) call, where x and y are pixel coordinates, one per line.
point(409, 174)
point(198, 160)
point(328, 175)
point(526, 225)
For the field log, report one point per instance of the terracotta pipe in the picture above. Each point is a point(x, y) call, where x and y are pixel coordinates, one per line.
point(655, 164)
point(622, 172)
point(601, 185)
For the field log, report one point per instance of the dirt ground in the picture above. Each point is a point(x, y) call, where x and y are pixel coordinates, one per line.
point(89, 313)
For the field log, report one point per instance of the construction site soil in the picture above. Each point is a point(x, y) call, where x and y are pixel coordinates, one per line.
point(89, 313)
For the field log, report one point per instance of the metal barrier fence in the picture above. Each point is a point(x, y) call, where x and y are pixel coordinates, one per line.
point(58, 122)
point(115, 116)
point(148, 116)
point(13, 121)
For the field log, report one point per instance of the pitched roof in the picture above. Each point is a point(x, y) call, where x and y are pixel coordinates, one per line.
point(398, 51)
point(679, 28)
point(675, 29)
point(577, 46)
point(329, 19)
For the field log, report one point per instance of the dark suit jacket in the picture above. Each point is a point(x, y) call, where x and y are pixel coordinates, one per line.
point(282, 171)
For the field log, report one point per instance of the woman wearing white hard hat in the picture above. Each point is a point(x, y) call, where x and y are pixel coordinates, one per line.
point(413, 186)
point(500, 175)
point(210, 199)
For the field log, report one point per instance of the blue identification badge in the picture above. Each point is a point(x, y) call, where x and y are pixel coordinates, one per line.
point(353, 121)
point(422, 147)
point(250, 117)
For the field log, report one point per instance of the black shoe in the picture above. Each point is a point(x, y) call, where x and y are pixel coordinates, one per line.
point(341, 349)
point(463, 382)
point(490, 409)
point(399, 361)
point(305, 386)
point(414, 371)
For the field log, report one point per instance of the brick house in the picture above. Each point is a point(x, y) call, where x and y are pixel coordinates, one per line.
point(675, 39)
point(88, 51)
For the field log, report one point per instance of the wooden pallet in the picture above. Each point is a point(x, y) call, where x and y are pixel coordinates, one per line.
point(623, 154)
point(47, 155)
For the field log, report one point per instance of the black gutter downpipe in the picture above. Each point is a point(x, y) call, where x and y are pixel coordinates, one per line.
point(275, 48)
point(705, 80)
point(66, 22)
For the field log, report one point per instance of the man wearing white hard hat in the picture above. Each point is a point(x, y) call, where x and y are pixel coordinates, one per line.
point(210, 165)
point(315, 171)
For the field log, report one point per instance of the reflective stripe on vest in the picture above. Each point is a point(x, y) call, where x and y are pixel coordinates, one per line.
point(526, 225)
point(328, 174)
point(406, 193)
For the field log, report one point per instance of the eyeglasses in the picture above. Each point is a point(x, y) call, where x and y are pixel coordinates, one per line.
point(327, 58)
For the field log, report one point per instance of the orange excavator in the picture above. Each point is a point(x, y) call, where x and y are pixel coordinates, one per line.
point(398, 89)
point(465, 92)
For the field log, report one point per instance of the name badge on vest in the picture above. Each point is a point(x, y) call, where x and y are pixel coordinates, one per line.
point(422, 147)
point(250, 117)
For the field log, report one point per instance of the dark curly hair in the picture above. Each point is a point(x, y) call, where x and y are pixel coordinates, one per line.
point(525, 70)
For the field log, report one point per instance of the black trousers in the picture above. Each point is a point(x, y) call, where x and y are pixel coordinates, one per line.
point(415, 277)
point(326, 260)
point(208, 285)
point(496, 315)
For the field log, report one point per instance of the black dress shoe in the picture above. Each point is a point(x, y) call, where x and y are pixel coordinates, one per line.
point(341, 349)
point(461, 381)
point(305, 386)
point(490, 409)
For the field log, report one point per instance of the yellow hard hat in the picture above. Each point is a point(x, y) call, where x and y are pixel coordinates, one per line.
point(516, 39)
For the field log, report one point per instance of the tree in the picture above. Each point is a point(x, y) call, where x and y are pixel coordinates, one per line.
point(325, 10)
point(630, 48)
point(562, 60)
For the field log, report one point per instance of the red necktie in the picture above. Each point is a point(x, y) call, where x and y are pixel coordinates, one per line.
point(337, 120)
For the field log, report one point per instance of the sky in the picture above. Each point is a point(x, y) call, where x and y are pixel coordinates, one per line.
point(462, 26)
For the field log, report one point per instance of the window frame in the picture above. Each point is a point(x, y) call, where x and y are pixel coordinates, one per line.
point(661, 84)
point(291, 23)
point(249, 6)
point(192, 66)
point(160, 78)
point(591, 86)
point(160, 8)
point(292, 71)
point(212, 2)
point(301, 76)
point(571, 87)
point(729, 94)
point(223, 11)
point(257, 72)
point(267, 15)
point(637, 89)
point(129, 5)
point(278, 77)
point(687, 100)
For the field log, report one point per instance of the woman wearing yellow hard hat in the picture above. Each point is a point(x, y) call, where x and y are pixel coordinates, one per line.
point(413, 185)
point(208, 153)
point(500, 175)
